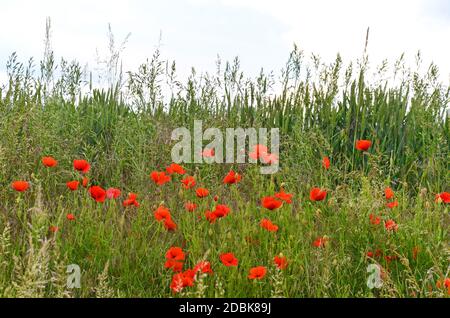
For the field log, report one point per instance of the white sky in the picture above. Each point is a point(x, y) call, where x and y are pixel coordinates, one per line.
point(260, 32)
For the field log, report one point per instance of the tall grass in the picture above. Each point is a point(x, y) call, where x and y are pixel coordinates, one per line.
point(124, 131)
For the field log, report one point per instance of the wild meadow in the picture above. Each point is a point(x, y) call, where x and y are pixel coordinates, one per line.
point(87, 179)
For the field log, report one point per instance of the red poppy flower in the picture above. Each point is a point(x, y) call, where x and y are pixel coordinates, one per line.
point(208, 153)
point(97, 193)
point(81, 165)
point(20, 186)
point(211, 216)
point(49, 162)
point(190, 206)
point(269, 158)
point(221, 210)
point(131, 200)
point(326, 162)
point(375, 220)
point(216, 198)
point(85, 182)
point(53, 229)
point(170, 225)
point(72, 185)
point(363, 145)
point(257, 272)
point(175, 168)
point(232, 177)
point(228, 259)
point(159, 177)
point(390, 258)
point(203, 267)
point(271, 203)
point(320, 242)
point(286, 197)
point(443, 197)
point(268, 225)
point(162, 213)
point(369, 254)
point(70, 217)
point(388, 193)
point(188, 182)
point(258, 152)
point(202, 192)
point(180, 281)
point(176, 266)
point(392, 204)
point(281, 262)
point(390, 225)
point(175, 253)
point(317, 194)
point(113, 193)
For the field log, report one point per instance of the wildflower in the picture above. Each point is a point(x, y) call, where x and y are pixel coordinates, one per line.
point(216, 198)
point(257, 272)
point(228, 259)
point(49, 162)
point(175, 253)
point(190, 206)
point(210, 216)
point(159, 178)
point(175, 168)
point(72, 185)
point(390, 258)
point(369, 254)
point(208, 153)
point(390, 225)
point(188, 182)
point(232, 177)
point(321, 242)
point(363, 145)
point(392, 204)
point(112, 193)
point(203, 267)
point(70, 217)
point(53, 228)
point(162, 213)
point(81, 165)
point(221, 210)
point(176, 266)
point(326, 162)
point(271, 203)
point(258, 152)
point(85, 182)
point(268, 225)
point(269, 158)
point(317, 194)
point(443, 197)
point(97, 193)
point(446, 284)
point(280, 261)
point(170, 225)
point(202, 192)
point(286, 197)
point(388, 193)
point(131, 200)
point(20, 186)
point(375, 220)
point(180, 281)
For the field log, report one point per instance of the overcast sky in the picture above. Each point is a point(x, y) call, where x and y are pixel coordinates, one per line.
point(260, 32)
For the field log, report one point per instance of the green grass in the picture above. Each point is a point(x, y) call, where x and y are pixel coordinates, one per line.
point(124, 132)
